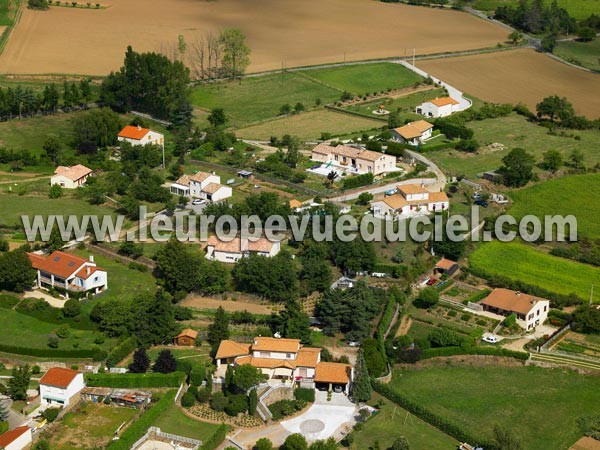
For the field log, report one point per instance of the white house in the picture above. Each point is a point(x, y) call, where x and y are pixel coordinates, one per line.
point(357, 160)
point(70, 177)
point(530, 311)
point(137, 135)
point(438, 107)
point(238, 248)
point(201, 185)
point(413, 133)
point(60, 387)
point(411, 200)
point(16, 439)
point(66, 271)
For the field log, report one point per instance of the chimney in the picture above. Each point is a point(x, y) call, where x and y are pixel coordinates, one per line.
point(91, 258)
point(88, 270)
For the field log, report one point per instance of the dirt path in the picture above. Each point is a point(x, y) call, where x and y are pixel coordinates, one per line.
point(405, 325)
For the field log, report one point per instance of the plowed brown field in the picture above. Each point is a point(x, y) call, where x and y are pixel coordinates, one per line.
point(297, 33)
point(519, 76)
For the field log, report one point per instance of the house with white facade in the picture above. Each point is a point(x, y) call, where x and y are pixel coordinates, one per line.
point(530, 311)
point(438, 107)
point(238, 248)
point(413, 133)
point(355, 160)
point(16, 439)
point(61, 387)
point(285, 359)
point(70, 177)
point(136, 135)
point(410, 200)
point(69, 272)
point(201, 185)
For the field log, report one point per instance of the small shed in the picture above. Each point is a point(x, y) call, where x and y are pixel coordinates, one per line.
point(446, 266)
point(245, 174)
point(186, 338)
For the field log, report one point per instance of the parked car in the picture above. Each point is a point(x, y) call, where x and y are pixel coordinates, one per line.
point(476, 196)
point(490, 339)
point(353, 344)
point(198, 201)
point(431, 282)
point(337, 389)
point(481, 203)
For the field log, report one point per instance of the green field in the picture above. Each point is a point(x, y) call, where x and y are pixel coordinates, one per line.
point(526, 264)
point(580, 9)
point(404, 104)
point(540, 406)
point(391, 422)
point(176, 422)
point(585, 54)
point(366, 78)
point(577, 195)
point(514, 131)
point(196, 356)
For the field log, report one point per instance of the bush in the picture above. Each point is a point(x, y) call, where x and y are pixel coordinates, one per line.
point(188, 399)
point(510, 320)
point(427, 298)
point(304, 394)
point(358, 181)
point(120, 352)
point(219, 402)
point(493, 351)
point(203, 395)
point(283, 408)
point(55, 191)
point(216, 439)
point(236, 404)
point(97, 354)
point(197, 375)
point(135, 380)
point(51, 414)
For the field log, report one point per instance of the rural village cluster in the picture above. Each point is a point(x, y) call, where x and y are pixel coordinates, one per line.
point(385, 238)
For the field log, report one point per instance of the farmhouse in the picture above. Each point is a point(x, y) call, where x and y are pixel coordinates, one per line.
point(69, 272)
point(70, 177)
point(411, 200)
point(60, 386)
point(438, 107)
point(16, 439)
point(413, 133)
point(201, 185)
point(353, 159)
point(530, 311)
point(238, 248)
point(186, 338)
point(286, 359)
point(136, 135)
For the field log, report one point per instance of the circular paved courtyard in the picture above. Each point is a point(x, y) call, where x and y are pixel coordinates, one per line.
point(312, 426)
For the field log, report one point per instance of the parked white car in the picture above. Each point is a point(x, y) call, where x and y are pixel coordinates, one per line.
point(490, 339)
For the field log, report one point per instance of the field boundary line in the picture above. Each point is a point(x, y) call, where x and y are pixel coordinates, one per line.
point(322, 83)
point(9, 29)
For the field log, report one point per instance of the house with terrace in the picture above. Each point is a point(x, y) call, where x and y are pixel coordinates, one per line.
point(530, 311)
point(438, 107)
point(70, 177)
point(285, 360)
point(201, 185)
point(237, 248)
point(68, 273)
point(137, 135)
point(413, 133)
point(353, 160)
point(410, 200)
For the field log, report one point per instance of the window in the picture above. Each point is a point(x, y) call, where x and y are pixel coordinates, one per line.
point(288, 355)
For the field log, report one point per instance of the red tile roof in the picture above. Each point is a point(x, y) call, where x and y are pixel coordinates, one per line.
point(328, 372)
point(133, 132)
point(58, 263)
point(509, 300)
point(59, 377)
point(443, 101)
point(10, 436)
point(188, 332)
point(73, 173)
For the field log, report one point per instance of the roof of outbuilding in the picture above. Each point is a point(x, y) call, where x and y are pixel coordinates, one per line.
point(231, 349)
point(328, 372)
point(443, 101)
point(11, 436)
point(188, 332)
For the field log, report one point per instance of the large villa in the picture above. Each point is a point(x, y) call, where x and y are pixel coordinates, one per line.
point(285, 360)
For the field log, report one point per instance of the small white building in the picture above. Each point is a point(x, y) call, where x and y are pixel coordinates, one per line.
point(413, 133)
point(70, 177)
point(60, 387)
point(136, 135)
point(410, 200)
point(238, 248)
point(16, 439)
point(438, 107)
point(202, 185)
point(69, 272)
point(530, 311)
point(354, 159)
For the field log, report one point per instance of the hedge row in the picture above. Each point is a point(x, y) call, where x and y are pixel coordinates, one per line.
point(216, 439)
point(120, 352)
point(135, 380)
point(305, 394)
point(132, 434)
point(358, 181)
point(97, 354)
point(423, 413)
point(493, 351)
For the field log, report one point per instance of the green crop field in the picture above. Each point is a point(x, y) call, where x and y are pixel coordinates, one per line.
point(259, 98)
point(577, 195)
point(526, 264)
point(540, 406)
point(580, 9)
point(366, 78)
point(514, 131)
point(585, 54)
point(391, 422)
point(176, 422)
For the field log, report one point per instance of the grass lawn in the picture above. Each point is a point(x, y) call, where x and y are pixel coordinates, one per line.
point(514, 131)
point(259, 98)
point(524, 263)
point(310, 125)
point(405, 104)
point(582, 53)
point(176, 422)
point(579, 9)
point(391, 422)
point(366, 78)
point(90, 426)
point(197, 356)
point(540, 406)
point(575, 195)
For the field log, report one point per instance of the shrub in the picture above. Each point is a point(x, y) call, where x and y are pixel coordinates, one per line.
point(120, 352)
point(236, 404)
point(283, 408)
point(197, 375)
point(36, 370)
point(304, 394)
point(218, 402)
point(510, 320)
point(216, 439)
point(51, 414)
point(188, 399)
point(203, 395)
point(97, 354)
point(358, 181)
point(53, 342)
point(55, 191)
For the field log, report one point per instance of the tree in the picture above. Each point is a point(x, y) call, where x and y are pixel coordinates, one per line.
point(515, 37)
point(586, 34)
point(400, 444)
point(52, 147)
point(246, 376)
point(55, 191)
point(218, 330)
point(548, 43)
point(505, 440)
point(252, 402)
point(235, 52)
point(555, 107)
point(155, 320)
point(141, 361)
point(552, 161)
point(263, 444)
point(427, 298)
point(95, 129)
point(4, 411)
point(19, 383)
point(295, 442)
point(85, 90)
point(55, 240)
point(329, 444)
point(177, 267)
point(72, 308)
point(273, 278)
point(364, 198)
point(16, 273)
point(518, 168)
point(361, 389)
point(374, 360)
point(217, 118)
point(37, 4)
point(576, 159)
point(586, 319)
point(295, 323)
point(41, 444)
point(165, 363)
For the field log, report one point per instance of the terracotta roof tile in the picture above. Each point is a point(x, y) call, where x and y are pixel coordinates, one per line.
point(443, 101)
point(510, 300)
point(188, 332)
point(412, 189)
point(183, 180)
point(133, 132)
point(59, 377)
point(276, 345)
point(265, 363)
point(199, 177)
point(308, 357)
point(261, 245)
point(231, 349)
point(211, 188)
point(10, 436)
point(73, 173)
point(58, 263)
point(445, 264)
point(328, 372)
